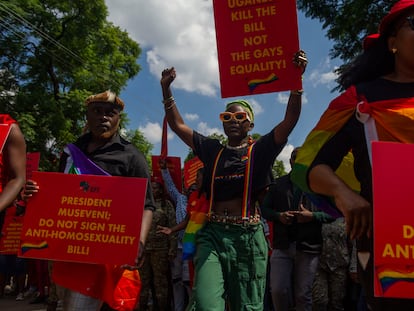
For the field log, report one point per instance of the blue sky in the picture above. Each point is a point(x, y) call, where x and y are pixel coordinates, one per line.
point(181, 33)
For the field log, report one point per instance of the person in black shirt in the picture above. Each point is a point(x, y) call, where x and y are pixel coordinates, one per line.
point(297, 243)
point(231, 255)
point(112, 155)
point(377, 104)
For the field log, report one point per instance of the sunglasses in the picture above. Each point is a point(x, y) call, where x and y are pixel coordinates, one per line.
point(410, 20)
point(239, 116)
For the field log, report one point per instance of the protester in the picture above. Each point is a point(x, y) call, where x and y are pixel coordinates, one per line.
point(332, 276)
point(107, 153)
point(297, 243)
point(377, 104)
point(181, 269)
point(231, 257)
point(160, 251)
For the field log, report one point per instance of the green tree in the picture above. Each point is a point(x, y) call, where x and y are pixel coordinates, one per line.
point(137, 138)
point(346, 22)
point(278, 169)
point(54, 54)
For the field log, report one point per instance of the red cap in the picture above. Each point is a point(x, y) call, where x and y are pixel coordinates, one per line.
point(369, 41)
point(399, 8)
point(396, 11)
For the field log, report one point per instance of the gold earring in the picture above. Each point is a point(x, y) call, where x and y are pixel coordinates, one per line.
point(394, 50)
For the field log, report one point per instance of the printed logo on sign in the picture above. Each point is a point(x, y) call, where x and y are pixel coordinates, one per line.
point(87, 188)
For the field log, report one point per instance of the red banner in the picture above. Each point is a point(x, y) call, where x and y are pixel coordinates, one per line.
point(256, 41)
point(393, 171)
point(4, 133)
point(13, 219)
point(174, 166)
point(190, 171)
point(84, 218)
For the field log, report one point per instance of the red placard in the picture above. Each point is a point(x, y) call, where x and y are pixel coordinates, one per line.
point(173, 165)
point(393, 171)
point(13, 219)
point(4, 133)
point(84, 218)
point(256, 41)
point(32, 163)
point(190, 171)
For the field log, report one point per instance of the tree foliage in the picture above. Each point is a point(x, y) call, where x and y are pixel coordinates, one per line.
point(346, 22)
point(53, 54)
point(137, 138)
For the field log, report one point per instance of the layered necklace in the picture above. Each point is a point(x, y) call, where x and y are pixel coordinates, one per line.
point(243, 145)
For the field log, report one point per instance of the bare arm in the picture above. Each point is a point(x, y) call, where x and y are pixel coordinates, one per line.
point(294, 106)
point(175, 121)
point(356, 210)
point(16, 154)
point(145, 228)
point(181, 226)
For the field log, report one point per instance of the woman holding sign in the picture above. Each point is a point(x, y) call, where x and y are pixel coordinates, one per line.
point(378, 104)
point(231, 256)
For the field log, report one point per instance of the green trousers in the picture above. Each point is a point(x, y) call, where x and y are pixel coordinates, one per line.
point(230, 268)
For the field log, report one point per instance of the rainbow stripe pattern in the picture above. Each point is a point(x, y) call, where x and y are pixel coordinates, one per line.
point(256, 82)
point(198, 217)
point(25, 247)
point(389, 277)
point(394, 121)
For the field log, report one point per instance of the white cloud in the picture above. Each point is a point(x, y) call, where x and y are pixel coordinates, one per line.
point(284, 156)
point(325, 74)
point(283, 97)
point(257, 108)
point(169, 30)
point(204, 129)
point(191, 116)
point(153, 132)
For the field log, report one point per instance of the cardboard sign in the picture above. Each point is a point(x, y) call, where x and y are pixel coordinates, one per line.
point(173, 165)
point(84, 218)
point(393, 171)
point(190, 171)
point(256, 41)
point(13, 219)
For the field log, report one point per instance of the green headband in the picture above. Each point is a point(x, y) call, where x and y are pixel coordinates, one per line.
point(245, 105)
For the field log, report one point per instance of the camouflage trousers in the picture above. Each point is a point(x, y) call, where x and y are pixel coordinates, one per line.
point(156, 280)
point(329, 289)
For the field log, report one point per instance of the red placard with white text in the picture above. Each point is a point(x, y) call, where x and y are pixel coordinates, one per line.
point(84, 218)
point(13, 218)
point(393, 171)
point(256, 41)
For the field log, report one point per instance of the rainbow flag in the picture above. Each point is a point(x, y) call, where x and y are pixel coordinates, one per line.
point(394, 121)
point(198, 208)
